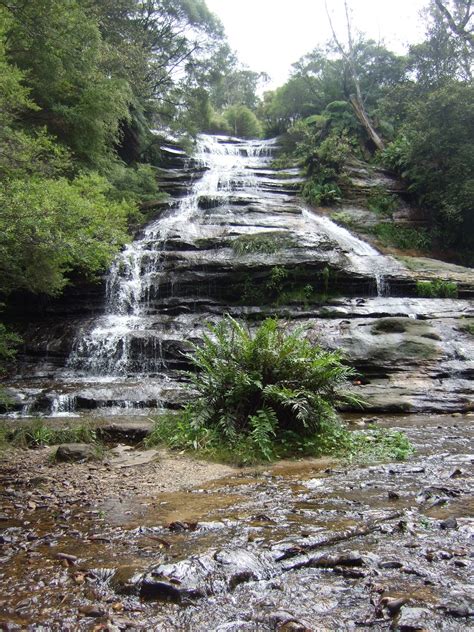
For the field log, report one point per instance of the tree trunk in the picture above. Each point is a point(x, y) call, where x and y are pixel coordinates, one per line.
point(365, 121)
point(356, 100)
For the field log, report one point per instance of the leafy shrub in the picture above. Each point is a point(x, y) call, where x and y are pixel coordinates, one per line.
point(265, 243)
point(38, 433)
point(437, 288)
point(243, 122)
point(50, 227)
point(318, 193)
point(251, 390)
point(276, 282)
point(136, 183)
point(381, 202)
point(403, 236)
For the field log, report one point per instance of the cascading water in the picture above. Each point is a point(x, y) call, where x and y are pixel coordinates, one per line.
point(122, 334)
point(188, 267)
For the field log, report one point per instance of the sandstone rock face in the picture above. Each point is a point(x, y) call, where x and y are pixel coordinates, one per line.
point(234, 238)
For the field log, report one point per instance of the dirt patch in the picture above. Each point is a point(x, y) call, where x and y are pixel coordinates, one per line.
point(167, 472)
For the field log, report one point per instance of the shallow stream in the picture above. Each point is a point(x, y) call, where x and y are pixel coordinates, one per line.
point(303, 545)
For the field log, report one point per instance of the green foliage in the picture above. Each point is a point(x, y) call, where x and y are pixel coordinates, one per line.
point(467, 325)
point(437, 288)
point(243, 122)
point(434, 153)
point(403, 237)
point(135, 183)
point(343, 218)
point(381, 202)
point(38, 433)
point(334, 438)
point(264, 243)
point(9, 342)
point(50, 227)
point(255, 388)
point(276, 282)
point(321, 194)
point(324, 161)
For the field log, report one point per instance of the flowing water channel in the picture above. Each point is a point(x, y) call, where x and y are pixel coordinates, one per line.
point(307, 545)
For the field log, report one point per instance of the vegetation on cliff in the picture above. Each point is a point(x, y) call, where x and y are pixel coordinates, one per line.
point(420, 104)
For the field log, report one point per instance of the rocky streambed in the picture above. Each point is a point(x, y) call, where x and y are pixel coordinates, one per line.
point(155, 541)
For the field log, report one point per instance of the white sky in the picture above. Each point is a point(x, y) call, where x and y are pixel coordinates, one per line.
point(270, 35)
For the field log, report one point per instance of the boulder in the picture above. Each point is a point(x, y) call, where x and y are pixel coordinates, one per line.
point(75, 452)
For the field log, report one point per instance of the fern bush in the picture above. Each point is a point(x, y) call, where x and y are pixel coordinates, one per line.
point(252, 392)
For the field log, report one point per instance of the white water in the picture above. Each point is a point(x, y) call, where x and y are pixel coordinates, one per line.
point(126, 340)
point(105, 349)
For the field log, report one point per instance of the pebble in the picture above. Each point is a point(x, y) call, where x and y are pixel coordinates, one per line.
point(92, 611)
point(449, 523)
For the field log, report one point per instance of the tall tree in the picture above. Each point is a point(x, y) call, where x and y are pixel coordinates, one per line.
point(356, 99)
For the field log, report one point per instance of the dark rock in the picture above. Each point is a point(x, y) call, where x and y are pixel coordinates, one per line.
point(203, 575)
point(390, 564)
point(393, 495)
point(178, 525)
point(460, 609)
point(75, 452)
point(353, 558)
point(131, 431)
point(92, 611)
point(449, 523)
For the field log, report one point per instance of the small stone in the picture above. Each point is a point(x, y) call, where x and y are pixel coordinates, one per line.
point(449, 523)
point(72, 559)
point(92, 611)
point(393, 495)
point(393, 605)
point(293, 626)
point(390, 564)
point(456, 474)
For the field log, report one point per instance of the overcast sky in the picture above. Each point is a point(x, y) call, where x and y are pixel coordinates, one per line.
point(270, 35)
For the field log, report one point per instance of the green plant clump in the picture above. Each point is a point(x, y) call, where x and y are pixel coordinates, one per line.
point(321, 193)
point(264, 243)
point(403, 237)
point(437, 289)
point(255, 392)
point(381, 202)
point(38, 433)
point(467, 325)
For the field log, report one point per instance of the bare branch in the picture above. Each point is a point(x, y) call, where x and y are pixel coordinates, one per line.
point(458, 29)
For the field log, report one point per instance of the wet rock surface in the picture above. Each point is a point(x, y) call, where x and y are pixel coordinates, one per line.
point(309, 545)
point(122, 345)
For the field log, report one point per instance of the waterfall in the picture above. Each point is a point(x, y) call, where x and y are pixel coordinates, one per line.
point(120, 342)
point(364, 256)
